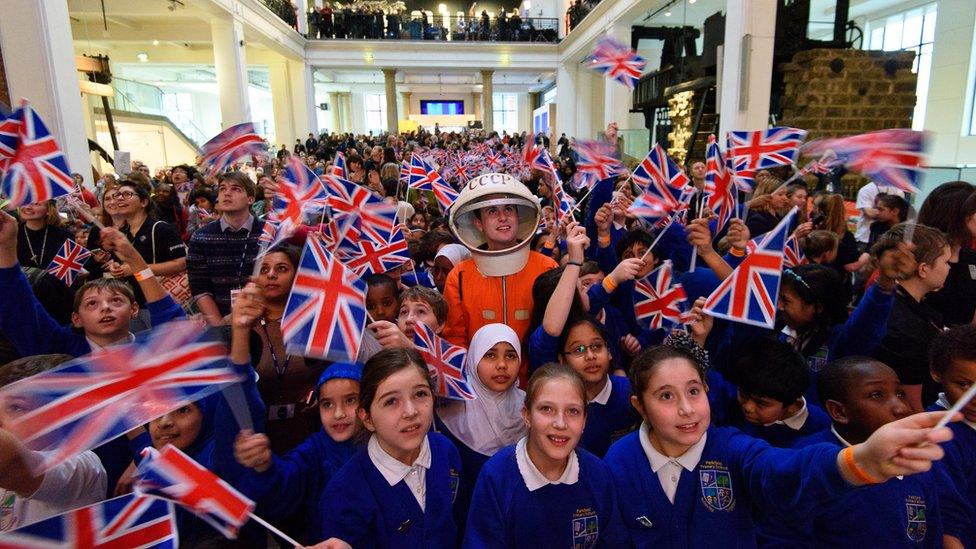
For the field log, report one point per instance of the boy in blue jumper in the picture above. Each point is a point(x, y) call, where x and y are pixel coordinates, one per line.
point(285, 485)
point(767, 400)
point(102, 310)
point(952, 361)
point(862, 396)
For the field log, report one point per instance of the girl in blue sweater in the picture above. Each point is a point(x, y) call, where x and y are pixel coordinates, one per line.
point(283, 486)
point(481, 427)
point(399, 491)
point(692, 485)
point(543, 491)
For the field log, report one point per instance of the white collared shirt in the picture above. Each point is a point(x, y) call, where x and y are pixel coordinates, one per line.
point(797, 420)
point(531, 475)
point(96, 347)
point(944, 402)
point(604, 395)
point(668, 469)
point(394, 471)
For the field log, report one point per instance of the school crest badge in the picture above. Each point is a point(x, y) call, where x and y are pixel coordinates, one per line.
point(586, 528)
point(716, 486)
point(915, 507)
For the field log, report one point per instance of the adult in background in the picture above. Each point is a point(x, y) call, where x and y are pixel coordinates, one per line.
point(41, 235)
point(865, 204)
point(951, 208)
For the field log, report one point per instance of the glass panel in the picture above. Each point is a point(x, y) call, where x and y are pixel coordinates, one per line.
point(912, 33)
point(928, 28)
point(877, 38)
point(892, 40)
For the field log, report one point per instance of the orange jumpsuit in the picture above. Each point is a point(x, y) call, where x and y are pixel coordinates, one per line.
point(475, 300)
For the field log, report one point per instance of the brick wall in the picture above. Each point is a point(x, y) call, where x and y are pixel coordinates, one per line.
point(844, 92)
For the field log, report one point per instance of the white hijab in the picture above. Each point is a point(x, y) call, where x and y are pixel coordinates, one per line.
point(493, 420)
point(456, 253)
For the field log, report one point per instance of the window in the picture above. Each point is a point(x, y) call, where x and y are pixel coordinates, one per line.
point(505, 112)
point(913, 30)
point(375, 112)
point(549, 96)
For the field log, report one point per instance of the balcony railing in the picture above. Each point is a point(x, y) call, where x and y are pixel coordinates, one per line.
point(649, 92)
point(285, 10)
point(358, 25)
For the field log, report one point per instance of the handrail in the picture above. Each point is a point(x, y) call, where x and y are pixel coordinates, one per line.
point(419, 26)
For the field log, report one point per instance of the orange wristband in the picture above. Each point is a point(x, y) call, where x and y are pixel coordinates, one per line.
point(609, 285)
point(737, 252)
point(847, 455)
point(144, 274)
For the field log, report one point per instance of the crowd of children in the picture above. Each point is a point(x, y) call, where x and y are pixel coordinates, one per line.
point(590, 428)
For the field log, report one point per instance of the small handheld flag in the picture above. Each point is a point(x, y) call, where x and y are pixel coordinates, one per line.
point(751, 151)
point(230, 145)
point(445, 362)
point(719, 192)
point(889, 157)
point(657, 301)
point(69, 262)
point(36, 170)
point(617, 61)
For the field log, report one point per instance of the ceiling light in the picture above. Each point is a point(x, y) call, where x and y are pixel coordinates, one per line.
point(692, 1)
point(667, 13)
point(142, 57)
point(155, 42)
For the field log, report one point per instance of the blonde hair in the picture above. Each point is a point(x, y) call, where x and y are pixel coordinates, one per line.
point(551, 372)
point(832, 206)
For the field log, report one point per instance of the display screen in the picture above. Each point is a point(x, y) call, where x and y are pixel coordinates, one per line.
point(441, 107)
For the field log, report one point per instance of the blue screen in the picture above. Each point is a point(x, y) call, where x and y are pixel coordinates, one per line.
point(441, 107)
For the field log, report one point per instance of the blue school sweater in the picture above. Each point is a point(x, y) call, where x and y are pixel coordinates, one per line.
point(296, 481)
point(506, 514)
point(32, 330)
point(714, 504)
point(362, 509)
point(723, 398)
point(957, 487)
point(606, 423)
point(895, 513)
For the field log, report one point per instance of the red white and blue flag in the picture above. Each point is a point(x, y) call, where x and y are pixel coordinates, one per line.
point(338, 167)
point(345, 196)
point(172, 475)
point(658, 300)
point(663, 182)
point(445, 362)
point(888, 157)
point(365, 256)
point(69, 262)
point(326, 309)
point(596, 160)
point(425, 178)
point(719, 194)
point(231, 145)
point(36, 170)
point(617, 61)
point(298, 189)
point(91, 400)
point(123, 522)
point(823, 165)
point(750, 293)
point(751, 151)
point(535, 157)
point(793, 253)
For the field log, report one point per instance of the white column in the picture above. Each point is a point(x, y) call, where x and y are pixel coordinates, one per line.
point(617, 98)
point(584, 98)
point(747, 68)
point(487, 97)
point(347, 123)
point(566, 104)
point(525, 112)
point(303, 97)
point(405, 99)
point(39, 60)
point(282, 103)
point(334, 111)
point(231, 67)
point(302, 13)
point(389, 81)
point(476, 99)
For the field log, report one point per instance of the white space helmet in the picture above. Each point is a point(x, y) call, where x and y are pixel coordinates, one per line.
point(495, 189)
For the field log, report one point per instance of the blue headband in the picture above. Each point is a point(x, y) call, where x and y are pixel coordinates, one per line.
point(340, 370)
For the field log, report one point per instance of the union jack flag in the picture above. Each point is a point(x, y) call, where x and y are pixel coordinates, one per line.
point(36, 170)
point(596, 159)
point(344, 195)
point(663, 181)
point(793, 253)
point(172, 475)
point(9, 130)
point(750, 293)
point(617, 61)
point(338, 167)
point(824, 165)
point(231, 145)
point(889, 157)
point(125, 521)
point(91, 400)
point(298, 188)
point(536, 158)
point(326, 309)
point(751, 151)
point(425, 178)
point(719, 194)
point(69, 262)
point(445, 362)
point(648, 209)
point(366, 256)
point(657, 301)
point(493, 160)
point(269, 233)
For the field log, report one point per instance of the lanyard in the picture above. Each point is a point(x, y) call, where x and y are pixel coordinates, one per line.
point(280, 369)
